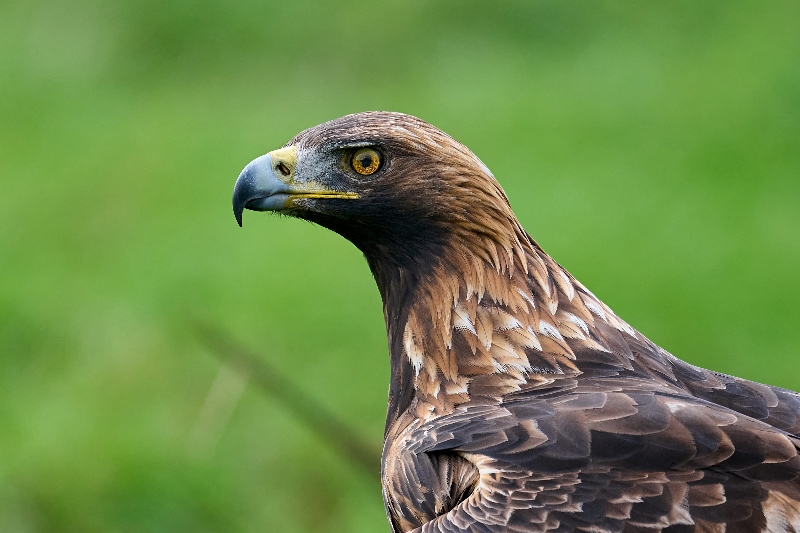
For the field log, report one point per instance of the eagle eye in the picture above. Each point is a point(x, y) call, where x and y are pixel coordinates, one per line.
point(366, 161)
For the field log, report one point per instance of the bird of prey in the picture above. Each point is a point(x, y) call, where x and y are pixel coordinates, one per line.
point(518, 400)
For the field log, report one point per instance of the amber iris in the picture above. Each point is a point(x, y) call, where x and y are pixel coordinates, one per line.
point(366, 161)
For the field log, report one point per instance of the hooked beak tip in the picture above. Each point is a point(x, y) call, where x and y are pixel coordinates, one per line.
point(238, 209)
point(255, 185)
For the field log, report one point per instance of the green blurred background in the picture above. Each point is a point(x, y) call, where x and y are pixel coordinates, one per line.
point(653, 148)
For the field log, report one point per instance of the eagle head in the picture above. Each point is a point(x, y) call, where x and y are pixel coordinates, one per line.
point(391, 183)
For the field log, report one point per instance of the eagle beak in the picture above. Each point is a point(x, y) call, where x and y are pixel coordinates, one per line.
point(268, 184)
point(259, 189)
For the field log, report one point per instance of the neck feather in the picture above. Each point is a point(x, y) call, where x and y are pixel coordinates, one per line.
point(486, 318)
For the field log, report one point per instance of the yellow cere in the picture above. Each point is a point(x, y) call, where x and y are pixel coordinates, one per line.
point(284, 159)
point(366, 161)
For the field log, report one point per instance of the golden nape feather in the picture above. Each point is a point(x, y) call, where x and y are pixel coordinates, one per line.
point(519, 401)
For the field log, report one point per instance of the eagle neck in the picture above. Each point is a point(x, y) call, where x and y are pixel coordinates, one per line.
point(475, 323)
point(441, 305)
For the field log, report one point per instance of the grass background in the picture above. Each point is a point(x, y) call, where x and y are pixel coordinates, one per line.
point(653, 148)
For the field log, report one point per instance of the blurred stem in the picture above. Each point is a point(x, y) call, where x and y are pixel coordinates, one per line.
point(223, 396)
point(344, 439)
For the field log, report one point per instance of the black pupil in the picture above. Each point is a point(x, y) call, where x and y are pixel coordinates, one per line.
point(365, 160)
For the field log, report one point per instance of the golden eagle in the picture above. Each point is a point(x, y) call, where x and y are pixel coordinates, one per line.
point(518, 400)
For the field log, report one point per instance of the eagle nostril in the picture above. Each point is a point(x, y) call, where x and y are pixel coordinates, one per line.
point(283, 169)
